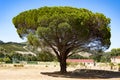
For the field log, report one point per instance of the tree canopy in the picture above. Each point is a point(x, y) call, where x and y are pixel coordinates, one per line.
point(65, 29)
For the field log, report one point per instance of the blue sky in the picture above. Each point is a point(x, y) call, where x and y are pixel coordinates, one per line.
point(11, 8)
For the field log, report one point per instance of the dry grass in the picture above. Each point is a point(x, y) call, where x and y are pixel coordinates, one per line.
point(38, 72)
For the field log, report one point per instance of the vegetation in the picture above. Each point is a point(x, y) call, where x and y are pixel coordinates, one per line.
point(11, 46)
point(17, 57)
point(115, 52)
point(77, 56)
point(111, 65)
point(106, 56)
point(64, 29)
point(7, 48)
point(72, 64)
point(45, 56)
point(8, 53)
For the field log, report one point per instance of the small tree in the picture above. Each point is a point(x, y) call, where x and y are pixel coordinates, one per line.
point(64, 29)
point(111, 65)
point(119, 67)
point(115, 52)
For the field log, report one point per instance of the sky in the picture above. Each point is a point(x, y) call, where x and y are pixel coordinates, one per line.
point(11, 8)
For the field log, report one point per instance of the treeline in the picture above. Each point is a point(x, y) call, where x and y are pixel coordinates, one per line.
point(99, 56)
point(8, 54)
point(17, 57)
point(47, 56)
point(106, 56)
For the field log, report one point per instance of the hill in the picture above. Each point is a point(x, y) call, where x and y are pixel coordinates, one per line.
point(12, 46)
point(22, 48)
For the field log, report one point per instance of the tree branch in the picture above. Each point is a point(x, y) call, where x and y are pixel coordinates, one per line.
point(56, 52)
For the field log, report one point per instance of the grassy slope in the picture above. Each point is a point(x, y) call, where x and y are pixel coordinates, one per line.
point(11, 46)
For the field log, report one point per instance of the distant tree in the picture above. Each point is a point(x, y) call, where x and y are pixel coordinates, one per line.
point(65, 29)
point(45, 56)
point(97, 56)
point(115, 52)
point(105, 57)
point(29, 57)
point(111, 65)
point(77, 56)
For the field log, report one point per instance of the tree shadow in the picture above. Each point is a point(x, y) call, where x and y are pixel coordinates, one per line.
point(85, 74)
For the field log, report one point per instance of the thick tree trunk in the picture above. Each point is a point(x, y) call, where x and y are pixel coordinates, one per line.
point(63, 65)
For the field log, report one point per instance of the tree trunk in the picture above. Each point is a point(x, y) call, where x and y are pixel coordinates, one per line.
point(63, 65)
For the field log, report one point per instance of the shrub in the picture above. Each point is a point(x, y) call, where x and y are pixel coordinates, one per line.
point(72, 64)
point(7, 60)
point(18, 65)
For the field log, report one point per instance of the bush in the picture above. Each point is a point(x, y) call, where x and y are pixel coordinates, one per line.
point(18, 65)
point(111, 65)
point(1, 59)
point(77, 56)
point(7, 60)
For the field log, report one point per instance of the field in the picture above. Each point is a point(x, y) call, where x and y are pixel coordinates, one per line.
point(50, 72)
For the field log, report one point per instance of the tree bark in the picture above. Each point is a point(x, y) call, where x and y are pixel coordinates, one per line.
point(63, 65)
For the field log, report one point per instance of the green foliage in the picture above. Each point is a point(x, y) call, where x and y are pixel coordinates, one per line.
point(96, 57)
point(1, 60)
point(101, 57)
point(29, 57)
point(16, 57)
point(18, 65)
point(10, 47)
point(111, 64)
point(64, 29)
point(115, 52)
point(77, 56)
point(1, 55)
point(72, 64)
point(33, 40)
point(7, 60)
point(45, 56)
point(119, 64)
point(66, 24)
point(105, 57)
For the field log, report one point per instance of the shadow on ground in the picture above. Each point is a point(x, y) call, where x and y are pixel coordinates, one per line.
point(85, 74)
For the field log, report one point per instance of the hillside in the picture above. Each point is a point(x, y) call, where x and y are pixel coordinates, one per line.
point(12, 46)
point(23, 49)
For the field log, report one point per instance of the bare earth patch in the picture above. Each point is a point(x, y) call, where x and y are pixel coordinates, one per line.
point(37, 72)
point(85, 74)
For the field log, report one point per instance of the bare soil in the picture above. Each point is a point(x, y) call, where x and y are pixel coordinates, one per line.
point(36, 72)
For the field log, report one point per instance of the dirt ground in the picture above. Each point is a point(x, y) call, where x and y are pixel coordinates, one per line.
point(35, 72)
